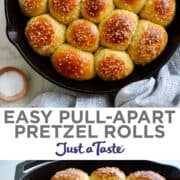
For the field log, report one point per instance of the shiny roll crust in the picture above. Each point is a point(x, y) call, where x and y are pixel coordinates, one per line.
point(113, 65)
point(130, 5)
point(70, 174)
point(117, 30)
point(159, 11)
point(84, 35)
point(96, 10)
point(148, 42)
point(107, 38)
point(145, 175)
point(44, 34)
point(73, 63)
point(108, 173)
point(65, 11)
point(33, 8)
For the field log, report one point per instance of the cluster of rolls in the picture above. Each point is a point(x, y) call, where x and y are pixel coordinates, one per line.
point(103, 37)
point(105, 173)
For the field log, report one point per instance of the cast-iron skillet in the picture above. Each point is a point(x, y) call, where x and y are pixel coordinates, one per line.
point(15, 31)
point(45, 172)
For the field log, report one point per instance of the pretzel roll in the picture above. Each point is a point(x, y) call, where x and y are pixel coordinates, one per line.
point(70, 174)
point(96, 10)
point(83, 35)
point(65, 11)
point(130, 5)
point(159, 11)
point(145, 175)
point(33, 8)
point(148, 42)
point(113, 65)
point(73, 63)
point(117, 30)
point(108, 173)
point(44, 34)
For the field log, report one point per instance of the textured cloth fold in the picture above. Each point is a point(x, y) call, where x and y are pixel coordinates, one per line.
point(164, 91)
point(62, 98)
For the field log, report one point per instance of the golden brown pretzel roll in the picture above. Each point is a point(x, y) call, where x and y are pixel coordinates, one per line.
point(130, 5)
point(44, 34)
point(65, 11)
point(70, 174)
point(33, 8)
point(108, 173)
point(148, 42)
point(73, 63)
point(145, 175)
point(159, 11)
point(83, 35)
point(117, 30)
point(96, 10)
point(113, 65)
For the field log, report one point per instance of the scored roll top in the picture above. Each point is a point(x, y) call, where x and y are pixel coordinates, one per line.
point(33, 8)
point(108, 173)
point(44, 34)
point(145, 175)
point(70, 174)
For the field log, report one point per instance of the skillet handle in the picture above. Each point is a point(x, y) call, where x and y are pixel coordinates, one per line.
point(25, 165)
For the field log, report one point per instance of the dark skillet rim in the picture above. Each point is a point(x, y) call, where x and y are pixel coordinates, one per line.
point(49, 162)
point(108, 91)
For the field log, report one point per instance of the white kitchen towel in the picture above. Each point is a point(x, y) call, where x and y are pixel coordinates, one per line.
point(59, 99)
point(164, 91)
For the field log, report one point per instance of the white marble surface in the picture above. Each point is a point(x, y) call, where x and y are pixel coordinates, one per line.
point(7, 168)
point(9, 56)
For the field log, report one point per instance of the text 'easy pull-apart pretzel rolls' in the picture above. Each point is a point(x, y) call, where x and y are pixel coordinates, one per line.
point(130, 5)
point(84, 35)
point(113, 65)
point(108, 173)
point(117, 30)
point(33, 8)
point(96, 10)
point(70, 174)
point(148, 42)
point(145, 175)
point(159, 11)
point(73, 63)
point(65, 11)
point(44, 34)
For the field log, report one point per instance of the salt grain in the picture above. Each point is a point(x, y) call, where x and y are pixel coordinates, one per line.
point(11, 83)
